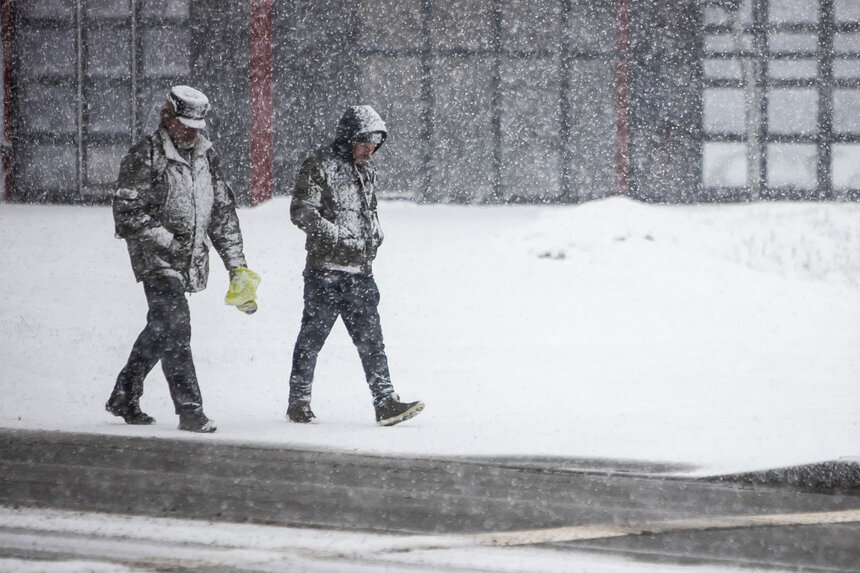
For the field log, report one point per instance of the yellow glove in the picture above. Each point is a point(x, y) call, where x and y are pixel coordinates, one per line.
point(243, 290)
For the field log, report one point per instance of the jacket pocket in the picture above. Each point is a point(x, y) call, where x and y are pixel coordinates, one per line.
point(156, 238)
point(147, 256)
point(179, 251)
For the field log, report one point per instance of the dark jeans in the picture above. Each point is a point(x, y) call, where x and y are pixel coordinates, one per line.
point(353, 297)
point(166, 337)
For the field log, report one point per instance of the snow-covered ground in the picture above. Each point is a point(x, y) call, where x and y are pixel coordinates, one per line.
point(727, 337)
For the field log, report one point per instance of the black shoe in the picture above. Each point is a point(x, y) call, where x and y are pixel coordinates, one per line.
point(300, 413)
point(130, 413)
point(196, 421)
point(393, 412)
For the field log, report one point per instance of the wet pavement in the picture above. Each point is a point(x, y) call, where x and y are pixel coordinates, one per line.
point(641, 511)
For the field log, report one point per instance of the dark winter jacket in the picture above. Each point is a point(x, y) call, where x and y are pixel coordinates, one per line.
point(334, 201)
point(171, 210)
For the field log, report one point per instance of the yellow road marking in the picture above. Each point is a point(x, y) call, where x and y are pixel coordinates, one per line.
point(264, 543)
point(586, 532)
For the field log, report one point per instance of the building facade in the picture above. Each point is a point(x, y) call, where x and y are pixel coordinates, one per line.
point(488, 101)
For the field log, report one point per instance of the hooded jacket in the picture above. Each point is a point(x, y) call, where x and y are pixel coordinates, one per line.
point(170, 210)
point(334, 201)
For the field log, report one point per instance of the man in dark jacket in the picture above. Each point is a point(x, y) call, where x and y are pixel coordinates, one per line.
point(335, 205)
point(171, 203)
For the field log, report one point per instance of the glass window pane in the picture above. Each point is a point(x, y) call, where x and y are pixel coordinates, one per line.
point(151, 103)
point(724, 164)
point(719, 16)
point(166, 52)
point(785, 43)
point(466, 24)
point(109, 107)
point(48, 53)
point(846, 167)
point(723, 69)
point(714, 16)
point(726, 43)
point(388, 82)
point(846, 111)
point(463, 87)
point(108, 8)
point(172, 9)
point(592, 26)
point(530, 127)
point(592, 157)
point(48, 109)
point(792, 165)
point(53, 9)
point(846, 69)
point(49, 167)
point(846, 43)
point(529, 25)
point(793, 111)
point(724, 111)
point(847, 11)
point(793, 11)
point(395, 25)
point(103, 163)
point(109, 52)
point(792, 69)
point(529, 102)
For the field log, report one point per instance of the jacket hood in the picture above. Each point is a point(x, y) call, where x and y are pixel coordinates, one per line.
point(357, 121)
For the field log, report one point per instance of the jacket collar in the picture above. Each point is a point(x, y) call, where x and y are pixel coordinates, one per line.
point(201, 146)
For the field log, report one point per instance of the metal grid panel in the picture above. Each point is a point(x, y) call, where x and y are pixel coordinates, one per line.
point(506, 106)
point(781, 85)
point(89, 78)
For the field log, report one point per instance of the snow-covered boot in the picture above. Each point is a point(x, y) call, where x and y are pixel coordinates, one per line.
point(196, 421)
point(300, 413)
point(393, 412)
point(131, 413)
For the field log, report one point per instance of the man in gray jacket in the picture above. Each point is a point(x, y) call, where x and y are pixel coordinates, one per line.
point(334, 203)
point(171, 203)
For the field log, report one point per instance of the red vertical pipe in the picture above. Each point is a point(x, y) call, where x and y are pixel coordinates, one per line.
point(262, 152)
point(6, 16)
point(622, 100)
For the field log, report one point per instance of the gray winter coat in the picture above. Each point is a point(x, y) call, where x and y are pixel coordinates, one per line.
point(170, 211)
point(334, 201)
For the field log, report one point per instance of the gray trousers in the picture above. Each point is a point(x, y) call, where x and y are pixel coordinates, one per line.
point(166, 337)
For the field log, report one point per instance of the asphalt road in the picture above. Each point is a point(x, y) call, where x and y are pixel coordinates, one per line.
point(641, 512)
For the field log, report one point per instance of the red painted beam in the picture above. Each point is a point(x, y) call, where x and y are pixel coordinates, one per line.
point(262, 150)
point(622, 100)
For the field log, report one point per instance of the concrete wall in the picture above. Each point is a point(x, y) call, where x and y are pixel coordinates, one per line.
point(666, 101)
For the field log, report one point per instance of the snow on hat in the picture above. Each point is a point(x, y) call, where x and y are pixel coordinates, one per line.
point(188, 105)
